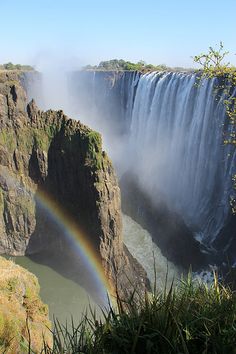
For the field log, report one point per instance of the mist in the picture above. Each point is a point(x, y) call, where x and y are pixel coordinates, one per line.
point(157, 127)
point(166, 132)
point(56, 88)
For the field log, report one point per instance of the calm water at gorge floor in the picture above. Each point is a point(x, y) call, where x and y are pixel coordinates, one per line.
point(66, 297)
point(140, 244)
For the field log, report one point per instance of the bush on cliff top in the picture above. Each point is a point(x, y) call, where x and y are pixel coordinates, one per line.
point(10, 66)
point(190, 319)
point(123, 65)
point(213, 65)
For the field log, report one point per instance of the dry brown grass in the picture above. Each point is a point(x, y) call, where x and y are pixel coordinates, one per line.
point(23, 316)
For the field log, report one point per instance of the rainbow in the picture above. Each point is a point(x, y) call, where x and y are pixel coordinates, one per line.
point(79, 240)
point(72, 231)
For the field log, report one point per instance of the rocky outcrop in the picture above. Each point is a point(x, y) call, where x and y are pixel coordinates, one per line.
point(47, 151)
point(24, 318)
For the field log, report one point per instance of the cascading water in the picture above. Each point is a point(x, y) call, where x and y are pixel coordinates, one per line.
point(166, 131)
point(176, 137)
point(172, 136)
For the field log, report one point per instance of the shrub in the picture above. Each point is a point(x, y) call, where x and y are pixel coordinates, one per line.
point(10, 66)
point(190, 318)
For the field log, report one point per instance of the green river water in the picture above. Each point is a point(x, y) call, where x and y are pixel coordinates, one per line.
point(66, 297)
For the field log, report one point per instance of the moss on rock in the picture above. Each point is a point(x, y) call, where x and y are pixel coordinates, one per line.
point(94, 155)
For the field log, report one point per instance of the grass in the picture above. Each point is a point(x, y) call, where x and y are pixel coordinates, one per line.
point(94, 149)
point(21, 310)
point(187, 319)
point(8, 139)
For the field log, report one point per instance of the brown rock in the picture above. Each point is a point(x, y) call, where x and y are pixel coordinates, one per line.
point(64, 158)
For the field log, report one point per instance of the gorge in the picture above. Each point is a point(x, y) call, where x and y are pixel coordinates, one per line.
point(60, 201)
point(167, 132)
point(165, 137)
point(117, 177)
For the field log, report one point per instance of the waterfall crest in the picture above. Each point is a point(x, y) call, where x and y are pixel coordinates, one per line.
point(172, 134)
point(176, 139)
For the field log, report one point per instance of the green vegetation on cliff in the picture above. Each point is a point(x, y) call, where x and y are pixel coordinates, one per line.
point(213, 65)
point(33, 145)
point(94, 149)
point(122, 65)
point(10, 66)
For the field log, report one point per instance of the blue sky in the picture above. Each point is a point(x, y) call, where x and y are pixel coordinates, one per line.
point(81, 32)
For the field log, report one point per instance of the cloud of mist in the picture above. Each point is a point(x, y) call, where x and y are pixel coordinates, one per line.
point(60, 86)
point(169, 145)
point(53, 90)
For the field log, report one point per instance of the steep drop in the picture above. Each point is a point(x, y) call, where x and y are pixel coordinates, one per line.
point(46, 153)
point(172, 133)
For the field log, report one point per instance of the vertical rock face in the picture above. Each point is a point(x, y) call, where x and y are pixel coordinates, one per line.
point(50, 152)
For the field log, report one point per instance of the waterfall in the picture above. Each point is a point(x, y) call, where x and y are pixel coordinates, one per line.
point(169, 131)
point(176, 136)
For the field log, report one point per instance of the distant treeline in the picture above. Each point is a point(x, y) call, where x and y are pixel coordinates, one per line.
point(122, 65)
point(10, 66)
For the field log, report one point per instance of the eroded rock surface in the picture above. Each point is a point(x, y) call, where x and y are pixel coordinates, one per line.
point(47, 151)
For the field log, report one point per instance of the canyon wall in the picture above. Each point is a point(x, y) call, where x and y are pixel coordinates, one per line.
point(169, 134)
point(47, 151)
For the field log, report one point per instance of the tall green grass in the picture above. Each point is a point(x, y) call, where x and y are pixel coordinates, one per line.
point(189, 318)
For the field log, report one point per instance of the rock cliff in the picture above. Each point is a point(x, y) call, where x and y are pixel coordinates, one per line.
point(21, 311)
point(64, 158)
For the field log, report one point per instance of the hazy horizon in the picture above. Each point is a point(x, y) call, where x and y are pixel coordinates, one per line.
point(77, 33)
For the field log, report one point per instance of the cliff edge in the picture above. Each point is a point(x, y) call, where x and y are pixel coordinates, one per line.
point(21, 311)
point(47, 151)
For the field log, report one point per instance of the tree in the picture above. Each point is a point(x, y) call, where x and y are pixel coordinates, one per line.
point(9, 66)
point(213, 60)
point(213, 66)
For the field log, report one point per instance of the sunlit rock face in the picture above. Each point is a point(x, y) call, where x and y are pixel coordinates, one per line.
point(48, 151)
point(169, 132)
point(21, 310)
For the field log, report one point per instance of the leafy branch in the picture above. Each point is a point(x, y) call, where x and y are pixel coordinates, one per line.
point(213, 66)
point(213, 60)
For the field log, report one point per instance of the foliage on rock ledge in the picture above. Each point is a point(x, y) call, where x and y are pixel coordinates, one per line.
point(213, 66)
point(11, 66)
point(123, 65)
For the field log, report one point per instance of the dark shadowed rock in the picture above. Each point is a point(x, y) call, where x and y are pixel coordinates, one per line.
point(47, 151)
point(168, 229)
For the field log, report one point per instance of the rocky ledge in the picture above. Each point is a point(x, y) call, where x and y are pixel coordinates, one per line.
point(47, 151)
point(23, 317)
